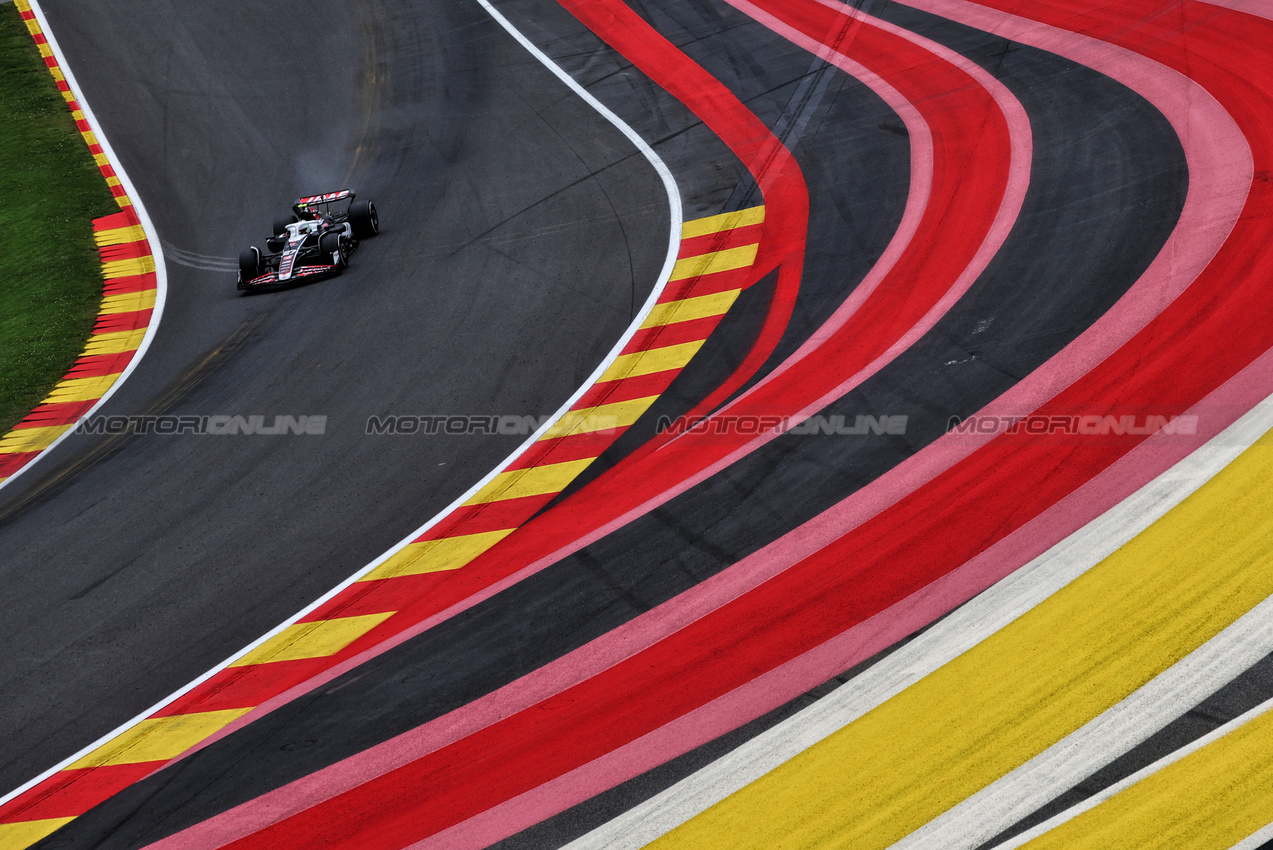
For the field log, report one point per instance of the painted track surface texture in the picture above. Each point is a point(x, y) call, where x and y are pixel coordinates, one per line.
point(132, 565)
point(711, 641)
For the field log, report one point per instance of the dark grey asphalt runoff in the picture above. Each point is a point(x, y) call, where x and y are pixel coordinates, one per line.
point(1100, 150)
point(521, 232)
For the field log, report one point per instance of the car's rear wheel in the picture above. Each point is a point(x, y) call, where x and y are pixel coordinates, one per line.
point(250, 264)
point(364, 219)
point(280, 224)
point(329, 246)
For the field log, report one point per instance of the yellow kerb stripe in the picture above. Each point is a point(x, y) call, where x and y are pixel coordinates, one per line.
point(18, 836)
point(603, 417)
point(80, 389)
point(115, 342)
point(435, 556)
point(100, 159)
point(716, 261)
point(688, 309)
point(724, 221)
point(1025, 688)
point(119, 235)
point(128, 302)
point(1212, 798)
point(31, 439)
point(651, 361)
point(131, 266)
point(312, 640)
point(160, 738)
point(536, 481)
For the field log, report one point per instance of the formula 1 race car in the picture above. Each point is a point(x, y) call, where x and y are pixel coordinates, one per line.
point(314, 241)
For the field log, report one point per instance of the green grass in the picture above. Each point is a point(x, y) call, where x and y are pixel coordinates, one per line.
point(50, 191)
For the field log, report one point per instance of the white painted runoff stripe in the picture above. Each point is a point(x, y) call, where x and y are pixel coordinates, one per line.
point(1257, 840)
point(966, 627)
point(161, 273)
point(1099, 742)
point(1095, 800)
point(674, 244)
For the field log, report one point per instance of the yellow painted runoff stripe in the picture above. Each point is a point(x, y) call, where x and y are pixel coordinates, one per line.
point(651, 360)
point(128, 302)
point(160, 738)
point(80, 389)
point(717, 261)
point(688, 309)
point(131, 266)
point(115, 342)
point(724, 221)
point(1228, 785)
point(1025, 688)
point(435, 556)
point(21, 440)
point(316, 639)
point(603, 417)
point(19, 836)
point(119, 235)
point(534, 481)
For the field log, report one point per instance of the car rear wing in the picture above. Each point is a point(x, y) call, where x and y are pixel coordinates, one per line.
point(328, 198)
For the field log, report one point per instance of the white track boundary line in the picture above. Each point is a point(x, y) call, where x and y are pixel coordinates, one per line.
point(1095, 800)
point(966, 627)
point(674, 245)
point(161, 272)
point(1116, 731)
point(1264, 836)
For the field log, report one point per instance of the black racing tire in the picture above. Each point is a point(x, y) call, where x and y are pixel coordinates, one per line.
point(281, 223)
point(329, 246)
point(249, 264)
point(364, 219)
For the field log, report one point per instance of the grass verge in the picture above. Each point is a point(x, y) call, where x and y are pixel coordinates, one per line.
point(50, 191)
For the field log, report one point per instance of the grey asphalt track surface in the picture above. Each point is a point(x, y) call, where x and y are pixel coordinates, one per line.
point(520, 234)
point(1061, 268)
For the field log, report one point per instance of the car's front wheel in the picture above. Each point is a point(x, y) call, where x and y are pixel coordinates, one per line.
point(364, 219)
point(249, 264)
point(330, 246)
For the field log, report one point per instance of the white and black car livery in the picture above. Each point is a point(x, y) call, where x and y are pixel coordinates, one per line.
point(314, 241)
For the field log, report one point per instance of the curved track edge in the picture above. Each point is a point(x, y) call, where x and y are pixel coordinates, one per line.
point(54, 429)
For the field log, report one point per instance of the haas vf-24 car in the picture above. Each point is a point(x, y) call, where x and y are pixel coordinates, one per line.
point(316, 240)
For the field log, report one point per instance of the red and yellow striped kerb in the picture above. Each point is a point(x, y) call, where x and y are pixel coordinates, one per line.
point(128, 299)
point(714, 266)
